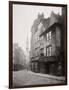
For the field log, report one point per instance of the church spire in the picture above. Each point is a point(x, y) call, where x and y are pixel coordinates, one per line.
point(27, 45)
point(27, 50)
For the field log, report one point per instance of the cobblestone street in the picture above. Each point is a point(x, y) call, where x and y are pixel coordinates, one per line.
point(25, 77)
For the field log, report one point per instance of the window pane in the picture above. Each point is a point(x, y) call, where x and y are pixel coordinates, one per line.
point(47, 51)
point(50, 35)
point(47, 36)
point(50, 49)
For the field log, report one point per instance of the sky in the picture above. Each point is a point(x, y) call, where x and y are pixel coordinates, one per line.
point(23, 17)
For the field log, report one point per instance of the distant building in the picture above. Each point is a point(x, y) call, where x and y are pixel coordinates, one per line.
point(47, 51)
point(19, 58)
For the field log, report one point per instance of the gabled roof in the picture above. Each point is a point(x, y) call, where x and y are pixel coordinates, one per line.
point(52, 20)
point(46, 22)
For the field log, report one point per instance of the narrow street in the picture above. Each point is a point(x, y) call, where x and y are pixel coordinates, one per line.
point(25, 77)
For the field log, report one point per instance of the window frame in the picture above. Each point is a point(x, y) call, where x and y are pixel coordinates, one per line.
point(49, 50)
point(49, 35)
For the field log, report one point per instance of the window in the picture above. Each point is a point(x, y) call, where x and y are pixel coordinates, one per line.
point(49, 51)
point(42, 52)
point(48, 35)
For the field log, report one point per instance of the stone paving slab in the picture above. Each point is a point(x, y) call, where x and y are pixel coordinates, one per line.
point(49, 76)
point(24, 77)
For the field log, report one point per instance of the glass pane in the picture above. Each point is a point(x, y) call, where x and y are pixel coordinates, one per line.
point(50, 51)
point(47, 36)
point(50, 35)
point(47, 51)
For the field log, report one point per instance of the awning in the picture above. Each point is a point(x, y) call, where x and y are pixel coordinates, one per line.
point(35, 59)
point(48, 59)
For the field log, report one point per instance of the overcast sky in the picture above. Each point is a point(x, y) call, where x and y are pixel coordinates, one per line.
point(23, 17)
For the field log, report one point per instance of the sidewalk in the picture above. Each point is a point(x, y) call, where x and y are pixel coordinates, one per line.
point(60, 78)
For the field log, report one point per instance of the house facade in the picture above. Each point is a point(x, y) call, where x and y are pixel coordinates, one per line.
point(47, 53)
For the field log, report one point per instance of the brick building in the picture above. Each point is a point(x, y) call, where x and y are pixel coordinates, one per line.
point(47, 53)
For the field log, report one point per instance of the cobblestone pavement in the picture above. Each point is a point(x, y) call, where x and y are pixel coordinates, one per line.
point(25, 77)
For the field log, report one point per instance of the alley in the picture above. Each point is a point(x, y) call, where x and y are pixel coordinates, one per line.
point(25, 77)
